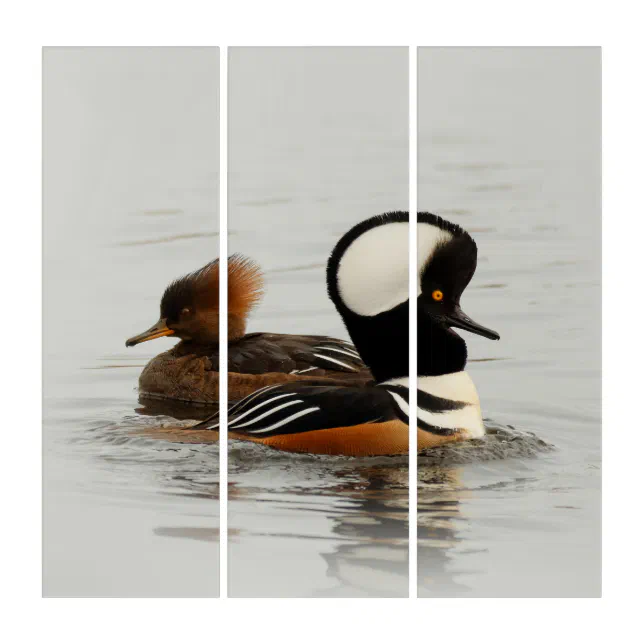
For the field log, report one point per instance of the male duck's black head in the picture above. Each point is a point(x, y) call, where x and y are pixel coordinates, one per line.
point(447, 257)
point(190, 304)
point(368, 281)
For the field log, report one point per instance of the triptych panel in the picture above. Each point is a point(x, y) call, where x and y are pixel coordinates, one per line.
point(509, 150)
point(317, 143)
point(130, 201)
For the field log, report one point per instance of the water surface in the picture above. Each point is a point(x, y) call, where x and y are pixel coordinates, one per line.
point(130, 202)
point(509, 147)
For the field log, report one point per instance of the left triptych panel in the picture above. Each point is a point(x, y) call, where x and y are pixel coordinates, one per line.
point(130, 204)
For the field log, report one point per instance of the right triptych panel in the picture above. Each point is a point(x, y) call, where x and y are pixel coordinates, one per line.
point(509, 364)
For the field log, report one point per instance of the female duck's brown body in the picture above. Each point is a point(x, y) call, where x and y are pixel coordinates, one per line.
point(189, 372)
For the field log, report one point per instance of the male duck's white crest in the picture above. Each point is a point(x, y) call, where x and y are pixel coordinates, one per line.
point(380, 256)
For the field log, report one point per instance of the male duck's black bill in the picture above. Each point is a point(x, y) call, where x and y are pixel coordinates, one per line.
point(458, 319)
point(159, 330)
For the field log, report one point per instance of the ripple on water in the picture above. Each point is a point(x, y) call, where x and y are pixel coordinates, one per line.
point(136, 447)
point(499, 442)
point(162, 439)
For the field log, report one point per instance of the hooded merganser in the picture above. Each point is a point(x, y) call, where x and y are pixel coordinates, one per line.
point(367, 278)
point(189, 372)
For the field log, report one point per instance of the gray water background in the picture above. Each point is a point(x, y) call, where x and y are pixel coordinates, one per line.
point(131, 159)
point(508, 147)
point(318, 141)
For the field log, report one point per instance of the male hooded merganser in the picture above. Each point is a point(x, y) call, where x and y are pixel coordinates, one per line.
point(367, 277)
point(189, 371)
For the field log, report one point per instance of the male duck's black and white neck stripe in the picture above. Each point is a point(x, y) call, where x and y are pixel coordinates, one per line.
point(446, 404)
point(367, 279)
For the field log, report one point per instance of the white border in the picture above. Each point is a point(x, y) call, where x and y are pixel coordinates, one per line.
point(29, 26)
point(413, 322)
point(223, 322)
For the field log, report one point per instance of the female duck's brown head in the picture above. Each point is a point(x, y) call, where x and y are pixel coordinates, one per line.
point(190, 304)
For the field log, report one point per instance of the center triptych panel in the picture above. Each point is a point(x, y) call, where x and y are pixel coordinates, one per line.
point(318, 319)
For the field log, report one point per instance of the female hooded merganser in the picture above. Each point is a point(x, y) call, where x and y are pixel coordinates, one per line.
point(367, 277)
point(189, 372)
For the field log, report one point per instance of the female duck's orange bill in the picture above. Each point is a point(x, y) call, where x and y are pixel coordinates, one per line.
point(157, 331)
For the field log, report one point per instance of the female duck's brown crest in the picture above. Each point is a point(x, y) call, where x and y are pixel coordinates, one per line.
point(245, 290)
point(190, 304)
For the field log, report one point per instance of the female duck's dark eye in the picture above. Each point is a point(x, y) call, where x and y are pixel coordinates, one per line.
point(437, 295)
point(186, 311)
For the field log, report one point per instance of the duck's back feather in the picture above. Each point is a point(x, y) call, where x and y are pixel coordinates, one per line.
point(271, 352)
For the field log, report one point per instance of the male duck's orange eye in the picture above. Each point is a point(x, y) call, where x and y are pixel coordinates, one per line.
point(437, 295)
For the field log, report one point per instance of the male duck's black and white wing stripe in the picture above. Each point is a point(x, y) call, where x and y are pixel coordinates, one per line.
point(295, 408)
